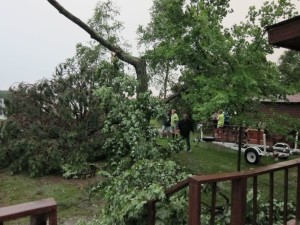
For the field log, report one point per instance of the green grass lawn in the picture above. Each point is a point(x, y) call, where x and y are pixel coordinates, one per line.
point(207, 158)
point(71, 195)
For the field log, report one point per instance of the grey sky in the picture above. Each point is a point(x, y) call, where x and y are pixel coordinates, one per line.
point(35, 37)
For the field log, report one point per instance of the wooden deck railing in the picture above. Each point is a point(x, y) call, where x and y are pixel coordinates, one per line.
point(39, 212)
point(239, 190)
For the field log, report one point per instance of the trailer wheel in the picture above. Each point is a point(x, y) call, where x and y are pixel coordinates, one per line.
point(252, 157)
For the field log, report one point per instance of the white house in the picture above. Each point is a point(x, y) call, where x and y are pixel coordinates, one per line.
point(2, 116)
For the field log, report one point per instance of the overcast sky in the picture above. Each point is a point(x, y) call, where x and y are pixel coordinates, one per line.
point(35, 37)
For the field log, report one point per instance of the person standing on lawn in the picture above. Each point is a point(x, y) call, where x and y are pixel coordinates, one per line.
point(174, 121)
point(166, 124)
point(185, 126)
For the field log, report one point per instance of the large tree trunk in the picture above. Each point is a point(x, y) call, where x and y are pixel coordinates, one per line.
point(138, 63)
point(142, 77)
point(166, 80)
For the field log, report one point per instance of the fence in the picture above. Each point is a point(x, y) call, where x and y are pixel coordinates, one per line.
point(239, 190)
point(39, 212)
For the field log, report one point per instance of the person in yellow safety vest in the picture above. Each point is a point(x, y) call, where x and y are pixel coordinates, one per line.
point(220, 123)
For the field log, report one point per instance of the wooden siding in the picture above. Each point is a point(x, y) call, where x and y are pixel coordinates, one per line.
point(285, 34)
point(290, 109)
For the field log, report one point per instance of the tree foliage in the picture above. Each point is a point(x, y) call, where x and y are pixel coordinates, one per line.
point(289, 68)
point(102, 32)
point(89, 110)
point(3, 93)
point(57, 121)
point(138, 169)
point(127, 194)
point(220, 67)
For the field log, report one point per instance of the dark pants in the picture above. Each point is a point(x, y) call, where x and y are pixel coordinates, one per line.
point(187, 142)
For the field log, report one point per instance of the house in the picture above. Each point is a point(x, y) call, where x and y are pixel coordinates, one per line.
point(2, 94)
point(291, 107)
point(2, 117)
point(285, 34)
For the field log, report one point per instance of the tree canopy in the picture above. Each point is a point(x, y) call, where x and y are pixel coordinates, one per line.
point(58, 121)
point(220, 67)
point(3, 93)
point(106, 40)
point(289, 65)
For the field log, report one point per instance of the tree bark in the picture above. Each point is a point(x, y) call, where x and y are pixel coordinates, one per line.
point(175, 95)
point(166, 80)
point(138, 63)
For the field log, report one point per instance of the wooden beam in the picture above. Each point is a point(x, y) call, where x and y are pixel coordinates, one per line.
point(35, 209)
point(285, 34)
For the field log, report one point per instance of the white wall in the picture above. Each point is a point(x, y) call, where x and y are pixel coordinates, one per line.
point(2, 117)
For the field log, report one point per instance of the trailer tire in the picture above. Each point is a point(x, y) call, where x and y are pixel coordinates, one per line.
point(252, 156)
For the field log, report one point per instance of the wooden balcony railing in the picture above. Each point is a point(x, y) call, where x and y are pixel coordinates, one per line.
point(39, 212)
point(239, 190)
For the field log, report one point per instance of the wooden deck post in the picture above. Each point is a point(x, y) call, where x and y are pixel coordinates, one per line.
point(151, 212)
point(194, 203)
point(298, 196)
point(238, 201)
point(39, 219)
point(53, 217)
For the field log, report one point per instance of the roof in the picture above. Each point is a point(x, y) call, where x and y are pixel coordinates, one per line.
point(290, 99)
point(293, 98)
point(285, 34)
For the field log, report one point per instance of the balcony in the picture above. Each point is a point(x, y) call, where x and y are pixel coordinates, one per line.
point(241, 182)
